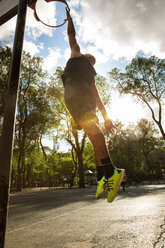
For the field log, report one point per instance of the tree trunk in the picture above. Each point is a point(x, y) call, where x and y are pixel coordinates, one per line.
point(75, 170)
point(28, 174)
point(21, 165)
point(19, 177)
point(79, 151)
point(161, 130)
point(81, 171)
point(148, 163)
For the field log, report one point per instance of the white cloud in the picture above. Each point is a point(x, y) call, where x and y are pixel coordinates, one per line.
point(108, 29)
point(34, 28)
point(91, 49)
point(7, 31)
point(51, 61)
point(77, 16)
point(31, 47)
point(122, 28)
point(41, 45)
point(67, 54)
point(74, 3)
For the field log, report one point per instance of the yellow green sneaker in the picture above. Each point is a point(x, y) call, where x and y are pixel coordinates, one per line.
point(113, 183)
point(101, 188)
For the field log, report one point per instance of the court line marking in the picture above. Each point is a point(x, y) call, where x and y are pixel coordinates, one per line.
point(45, 220)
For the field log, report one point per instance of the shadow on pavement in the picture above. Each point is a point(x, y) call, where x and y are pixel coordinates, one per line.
point(50, 199)
point(140, 191)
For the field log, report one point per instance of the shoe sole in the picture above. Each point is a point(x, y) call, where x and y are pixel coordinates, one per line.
point(102, 194)
point(120, 181)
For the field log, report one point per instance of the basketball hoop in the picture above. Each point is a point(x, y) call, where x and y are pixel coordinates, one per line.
point(32, 5)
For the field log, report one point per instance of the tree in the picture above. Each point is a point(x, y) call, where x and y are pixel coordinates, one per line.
point(158, 158)
point(147, 141)
point(31, 111)
point(104, 89)
point(78, 147)
point(35, 116)
point(5, 58)
point(124, 150)
point(145, 79)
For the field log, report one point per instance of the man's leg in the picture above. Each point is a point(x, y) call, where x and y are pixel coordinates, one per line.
point(113, 176)
point(100, 149)
point(97, 139)
point(101, 183)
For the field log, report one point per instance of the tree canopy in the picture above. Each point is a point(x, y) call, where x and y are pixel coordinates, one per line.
point(144, 78)
point(41, 111)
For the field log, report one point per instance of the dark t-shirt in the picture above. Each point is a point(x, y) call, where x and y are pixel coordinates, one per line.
point(78, 94)
point(80, 70)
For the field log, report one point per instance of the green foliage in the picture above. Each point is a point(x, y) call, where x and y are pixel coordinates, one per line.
point(133, 148)
point(5, 58)
point(103, 89)
point(56, 95)
point(89, 158)
point(41, 110)
point(66, 167)
point(144, 78)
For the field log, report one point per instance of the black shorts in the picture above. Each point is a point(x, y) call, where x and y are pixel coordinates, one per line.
point(80, 103)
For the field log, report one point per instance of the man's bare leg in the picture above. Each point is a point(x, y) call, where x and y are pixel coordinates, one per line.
point(97, 139)
point(105, 168)
point(100, 149)
point(112, 177)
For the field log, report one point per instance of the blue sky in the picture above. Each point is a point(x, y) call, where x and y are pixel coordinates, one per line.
point(114, 31)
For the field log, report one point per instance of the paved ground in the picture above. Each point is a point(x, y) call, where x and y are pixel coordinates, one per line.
point(74, 219)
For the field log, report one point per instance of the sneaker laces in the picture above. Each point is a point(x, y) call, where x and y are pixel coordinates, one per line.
point(104, 183)
point(110, 184)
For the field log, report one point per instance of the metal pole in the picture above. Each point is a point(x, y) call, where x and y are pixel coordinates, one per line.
point(6, 139)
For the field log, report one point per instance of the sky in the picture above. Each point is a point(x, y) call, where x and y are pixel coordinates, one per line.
point(114, 31)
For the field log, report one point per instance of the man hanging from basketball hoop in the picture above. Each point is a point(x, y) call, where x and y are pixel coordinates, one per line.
point(81, 98)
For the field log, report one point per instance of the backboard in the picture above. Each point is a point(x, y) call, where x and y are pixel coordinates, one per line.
point(8, 9)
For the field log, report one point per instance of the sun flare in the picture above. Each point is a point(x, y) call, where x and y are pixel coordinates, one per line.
point(126, 110)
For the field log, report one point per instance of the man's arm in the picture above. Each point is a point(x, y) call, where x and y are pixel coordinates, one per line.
point(75, 49)
point(99, 103)
point(107, 122)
